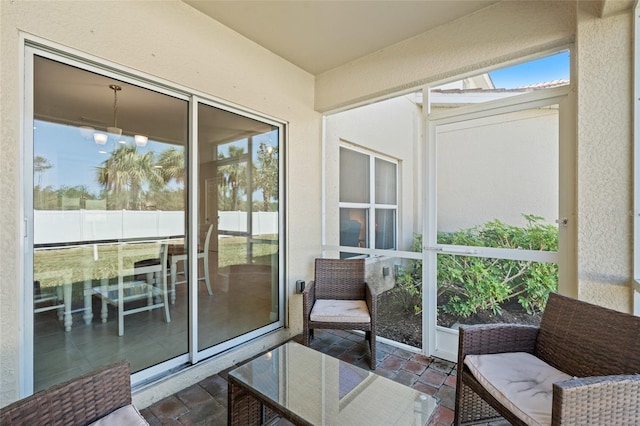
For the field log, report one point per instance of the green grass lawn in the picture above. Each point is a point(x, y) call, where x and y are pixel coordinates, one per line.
point(85, 263)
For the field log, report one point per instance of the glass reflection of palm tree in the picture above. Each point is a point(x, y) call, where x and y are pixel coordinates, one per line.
point(232, 176)
point(266, 174)
point(125, 173)
point(171, 165)
point(40, 166)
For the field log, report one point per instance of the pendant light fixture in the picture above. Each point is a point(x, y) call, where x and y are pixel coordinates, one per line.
point(102, 138)
point(140, 140)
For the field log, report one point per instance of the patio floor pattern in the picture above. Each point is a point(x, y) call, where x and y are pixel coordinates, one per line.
point(205, 403)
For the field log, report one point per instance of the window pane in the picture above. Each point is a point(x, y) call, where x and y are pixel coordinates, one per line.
point(240, 201)
point(386, 182)
point(353, 229)
point(354, 177)
point(107, 199)
point(232, 149)
point(385, 229)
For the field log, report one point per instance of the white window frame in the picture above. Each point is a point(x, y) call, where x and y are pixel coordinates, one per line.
point(372, 206)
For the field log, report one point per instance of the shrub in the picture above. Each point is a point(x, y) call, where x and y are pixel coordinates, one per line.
point(467, 284)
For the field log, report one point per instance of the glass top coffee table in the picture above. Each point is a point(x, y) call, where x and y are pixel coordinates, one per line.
point(308, 387)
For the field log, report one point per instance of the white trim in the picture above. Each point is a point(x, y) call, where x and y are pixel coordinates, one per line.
point(501, 253)
point(26, 326)
point(283, 231)
point(430, 238)
point(529, 100)
point(636, 159)
point(415, 255)
point(192, 228)
point(323, 187)
point(394, 343)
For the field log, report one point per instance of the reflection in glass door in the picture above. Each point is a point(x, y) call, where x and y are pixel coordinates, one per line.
point(239, 181)
point(108, 198)
point(118, 266)
point(493, 254)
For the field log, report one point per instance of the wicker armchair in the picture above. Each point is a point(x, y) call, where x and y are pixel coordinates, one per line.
point(340, 280)
point(598, 347)
point(79, 401)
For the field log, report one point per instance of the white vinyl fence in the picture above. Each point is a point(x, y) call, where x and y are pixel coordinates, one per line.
point(56, 226)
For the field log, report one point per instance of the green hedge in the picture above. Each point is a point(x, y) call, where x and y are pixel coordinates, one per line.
point(468, 284)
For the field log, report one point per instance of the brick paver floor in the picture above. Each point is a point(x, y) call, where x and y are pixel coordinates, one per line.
point(205, 403)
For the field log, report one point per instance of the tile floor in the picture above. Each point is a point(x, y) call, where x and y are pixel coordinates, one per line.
point(205, 403)
point(240, 303)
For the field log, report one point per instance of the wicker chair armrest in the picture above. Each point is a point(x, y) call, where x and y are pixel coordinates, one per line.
point(597, 400)
point(79, 401)
point(308, 298)
point(495, 338)
point(372, 299)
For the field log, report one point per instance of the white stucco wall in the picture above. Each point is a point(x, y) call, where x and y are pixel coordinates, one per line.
point(500, 167)
point(176, 43)
point(605, 157)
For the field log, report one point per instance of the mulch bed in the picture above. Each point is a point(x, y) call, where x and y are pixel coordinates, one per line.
point(397, 324)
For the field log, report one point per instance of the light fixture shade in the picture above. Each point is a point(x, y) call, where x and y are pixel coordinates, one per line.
point(100, 138)
point(86, 131)
point(114, 130)
point(141, 140)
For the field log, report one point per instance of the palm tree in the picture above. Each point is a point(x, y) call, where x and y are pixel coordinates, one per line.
point(125, 173)
point(171, 164)
point(40, 166)
point(232, 176)
point(266, 175)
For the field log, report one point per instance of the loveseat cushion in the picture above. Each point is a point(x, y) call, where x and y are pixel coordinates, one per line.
point(519, 381)
point(328, 310)
point(127, 415)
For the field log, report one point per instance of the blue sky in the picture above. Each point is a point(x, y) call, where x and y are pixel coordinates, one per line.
point(75, 158)
point(554, 67)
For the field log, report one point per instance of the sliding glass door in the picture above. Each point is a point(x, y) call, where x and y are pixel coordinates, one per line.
point(118, 265)
point(239, 202)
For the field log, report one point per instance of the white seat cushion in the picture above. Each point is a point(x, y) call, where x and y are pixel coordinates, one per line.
point(127, 415)
point(327, 310)
point(519, 381)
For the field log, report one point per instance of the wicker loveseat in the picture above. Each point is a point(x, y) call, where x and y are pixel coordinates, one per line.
point(102, 396)
point(598, 348)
